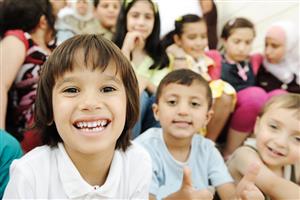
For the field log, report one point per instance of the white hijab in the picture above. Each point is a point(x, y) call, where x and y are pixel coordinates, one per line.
point(87, 16)
point(289, 66)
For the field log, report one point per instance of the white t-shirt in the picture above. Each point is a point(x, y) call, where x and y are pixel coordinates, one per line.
point(48, 173)
point(170, 10)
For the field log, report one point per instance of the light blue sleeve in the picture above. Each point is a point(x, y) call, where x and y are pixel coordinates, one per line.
point(218, 171)
point(148, 141)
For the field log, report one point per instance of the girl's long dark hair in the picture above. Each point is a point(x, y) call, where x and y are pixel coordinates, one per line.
point(25, 15)
point(152, 46)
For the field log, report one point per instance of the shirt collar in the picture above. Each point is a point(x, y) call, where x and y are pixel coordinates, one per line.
point(75, 186)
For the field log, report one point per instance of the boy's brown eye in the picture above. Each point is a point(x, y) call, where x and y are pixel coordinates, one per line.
point(108, 89)
point(171, 102)
point(71, 90)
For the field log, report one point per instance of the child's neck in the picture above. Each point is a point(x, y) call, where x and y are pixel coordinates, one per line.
point(38, 38)
point(93, 168)
point(229, 59)
point(179, 148)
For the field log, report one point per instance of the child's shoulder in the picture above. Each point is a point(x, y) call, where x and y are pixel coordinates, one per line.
point(151, 135)
point(37, 157)
point(136, 150)
point(202, 142)
point(21, 35)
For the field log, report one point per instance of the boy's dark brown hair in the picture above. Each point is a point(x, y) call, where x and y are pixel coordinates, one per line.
point(98, 52)
point(235, 23)
point(184, 77)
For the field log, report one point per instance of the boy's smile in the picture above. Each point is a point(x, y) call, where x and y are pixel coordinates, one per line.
point(182, 110)
point(89, 108)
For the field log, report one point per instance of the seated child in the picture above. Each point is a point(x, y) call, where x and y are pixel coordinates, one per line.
point(10, 149)
point(87, 103)
point(105, 18)
point(276, 148)
point(281, 66)
point(183, 106)
point(186, 49)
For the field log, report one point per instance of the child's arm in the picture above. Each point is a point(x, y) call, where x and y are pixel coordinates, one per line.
point(271, 184)
point(177, 56)
point(187, 191)
point(245, 190)
point(13, 53)
point(132, 40)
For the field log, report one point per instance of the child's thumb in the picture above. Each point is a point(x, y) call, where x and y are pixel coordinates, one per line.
point(186, 179)
point(248, 180)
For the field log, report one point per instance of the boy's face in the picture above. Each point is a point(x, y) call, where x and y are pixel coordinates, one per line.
point(238, 45)
point(89, 109)
point(182, 110)
point(107, 12)
point(193, 40)
point(278, 137)
point(140, 18)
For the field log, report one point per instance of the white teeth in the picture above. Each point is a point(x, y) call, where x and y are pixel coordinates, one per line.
point(97, 129)
point(103, 123)
point(92, 125)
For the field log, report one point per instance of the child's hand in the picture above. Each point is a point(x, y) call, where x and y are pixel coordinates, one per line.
point(133, 40)
point(176, 51)
point(246, 189)
point(187, 191)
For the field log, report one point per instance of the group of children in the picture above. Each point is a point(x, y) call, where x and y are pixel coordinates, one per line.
point(85, 102)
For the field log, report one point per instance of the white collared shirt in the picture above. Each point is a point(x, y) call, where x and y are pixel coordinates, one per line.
point(49, 173)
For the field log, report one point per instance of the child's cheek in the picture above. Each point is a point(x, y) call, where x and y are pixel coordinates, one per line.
point(295, 155)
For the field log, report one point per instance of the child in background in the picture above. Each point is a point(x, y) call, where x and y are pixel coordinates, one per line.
point(186, 46)
point(276, 148)
point(183, 106)
point(87, 103)
point(239, 69)
point(105, 18)
point(10, 149)
point(80, 17)
point(25, 48)
point(137, 34)
point(281, 66)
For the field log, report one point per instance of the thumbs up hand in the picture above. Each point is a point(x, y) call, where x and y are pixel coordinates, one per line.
point(246, 189)
point(187, 191)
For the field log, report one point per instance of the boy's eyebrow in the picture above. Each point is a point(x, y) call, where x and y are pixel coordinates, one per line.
point(65, 80)
point(106, 78)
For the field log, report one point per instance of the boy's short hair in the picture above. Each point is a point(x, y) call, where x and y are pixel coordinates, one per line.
point(286, 101)
point(184, 77)
point(98, 52)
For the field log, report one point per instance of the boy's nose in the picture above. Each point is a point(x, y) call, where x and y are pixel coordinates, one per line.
point(90, 102)
point(182, 109)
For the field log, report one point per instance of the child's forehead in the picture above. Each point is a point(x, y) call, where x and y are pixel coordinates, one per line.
point(242, 32)
point(195, 88)
point(278, 111)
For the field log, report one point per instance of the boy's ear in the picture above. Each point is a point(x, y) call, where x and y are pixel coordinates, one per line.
point(155, 111)
point(177, 40)
point(209, 115)
point(257, 122)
